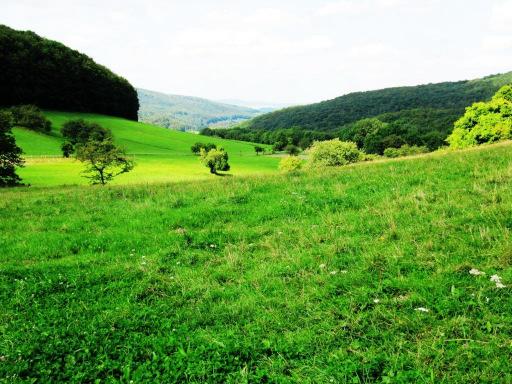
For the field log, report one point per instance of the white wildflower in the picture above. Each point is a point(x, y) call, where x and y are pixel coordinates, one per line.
point(421, 309)
point(343, 271)
point(476, 272)
point(334, 272)
point(495, 279)
point(322, 266)
point(376, 301)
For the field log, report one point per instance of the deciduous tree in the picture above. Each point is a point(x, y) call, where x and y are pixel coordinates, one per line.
point(10, 153)
point(104, 160)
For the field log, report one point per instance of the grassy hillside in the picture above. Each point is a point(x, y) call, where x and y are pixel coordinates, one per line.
point(160, 154)
point(187, 113)
point(420, 115)
point(316, 278)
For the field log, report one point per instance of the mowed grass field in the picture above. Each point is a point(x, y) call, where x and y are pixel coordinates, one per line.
point(161, 155)
point(356, 275)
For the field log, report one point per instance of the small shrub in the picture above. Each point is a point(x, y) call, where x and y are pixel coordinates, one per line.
point(369, 156)
point(404, 150)
point(258, 149)
point(333, 153)
point(292, 150)
point(30, 117)
point(290, 164)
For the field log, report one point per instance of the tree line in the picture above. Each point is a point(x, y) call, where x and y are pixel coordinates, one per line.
point(415, 116)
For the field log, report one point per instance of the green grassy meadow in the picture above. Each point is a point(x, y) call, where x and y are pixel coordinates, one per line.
point(161, 155)
point(315, 278)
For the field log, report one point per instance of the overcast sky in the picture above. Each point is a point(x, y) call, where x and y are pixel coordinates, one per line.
point(290, 51)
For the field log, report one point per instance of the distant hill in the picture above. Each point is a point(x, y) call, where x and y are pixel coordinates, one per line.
point(186, 113)
point(332, 114)
point(418, 115)
point(266, 106)
point(35, 70)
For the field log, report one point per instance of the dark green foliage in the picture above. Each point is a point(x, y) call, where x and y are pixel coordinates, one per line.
point(329, 115)
point(196, 148)
point(30, 117)
point(80, 132)
point(292, 150)
point(421, 116)
point(50, 75)
point(67, 149)
point(258, 149)
point(10, 153)
point(104, 160)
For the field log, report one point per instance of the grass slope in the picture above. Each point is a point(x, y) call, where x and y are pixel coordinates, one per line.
point(161, 155)
point(305, 279)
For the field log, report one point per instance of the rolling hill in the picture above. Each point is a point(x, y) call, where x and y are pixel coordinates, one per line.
point(419, 115)
point(161, 155)
point(186, 113)
point(35, 70)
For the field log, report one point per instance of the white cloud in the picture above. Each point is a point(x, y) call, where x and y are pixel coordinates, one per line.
point(501, 16)
point(351, 7)
point(374, 50)
point(287, 50)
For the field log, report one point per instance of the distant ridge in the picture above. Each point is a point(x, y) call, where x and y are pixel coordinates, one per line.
point(331, 114)
point(187, 113)
point(415, 115)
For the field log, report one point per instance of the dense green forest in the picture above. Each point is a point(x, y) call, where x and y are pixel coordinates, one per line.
point(38, 71)
point(420, 115)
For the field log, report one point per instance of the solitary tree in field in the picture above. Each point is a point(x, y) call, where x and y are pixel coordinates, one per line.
point(10, 153)
point(104, 160)
point(258, 149)
point(216, 160)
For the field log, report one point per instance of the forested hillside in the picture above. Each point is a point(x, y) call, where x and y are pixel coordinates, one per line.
point(187, 113)
point(419, 115)
point(35, 70)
